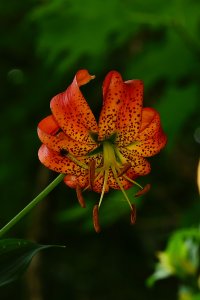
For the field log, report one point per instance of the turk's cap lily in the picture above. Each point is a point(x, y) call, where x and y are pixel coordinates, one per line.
point(108, 154)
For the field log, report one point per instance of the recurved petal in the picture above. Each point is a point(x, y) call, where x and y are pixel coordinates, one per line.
point(72, 112)
point(129, 120)
point(47, 132)
point(49, 125)
point(59, 163)
point(149, 147)
point(72, 181)
point(113, 98)
point(139, 164)
point(150, 124)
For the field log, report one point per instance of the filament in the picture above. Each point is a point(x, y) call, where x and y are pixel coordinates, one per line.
point(91, 176)
point(132, 181)
point(104, 186)
point(121, 186)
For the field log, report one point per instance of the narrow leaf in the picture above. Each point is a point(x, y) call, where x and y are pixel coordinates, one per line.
point(15, 257)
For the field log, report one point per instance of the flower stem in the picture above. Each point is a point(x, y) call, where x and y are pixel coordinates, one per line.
point(32, 204)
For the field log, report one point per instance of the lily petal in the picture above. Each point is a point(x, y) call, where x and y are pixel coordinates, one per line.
point(47, 130)
point(139, 164)
point(49, 125)
point(131, 113)
point(59, 163)
point(72, 112)
point(150, 146)
point(150, 124)
point(72, 181)
point(113, 97)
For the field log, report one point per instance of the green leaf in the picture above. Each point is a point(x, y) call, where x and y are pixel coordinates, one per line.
point(183, 250)
point(160, 273)
point(15, 257)
point(180, 258)
point(188, 293)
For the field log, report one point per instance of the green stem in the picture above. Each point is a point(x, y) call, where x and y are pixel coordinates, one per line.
point(32, 204)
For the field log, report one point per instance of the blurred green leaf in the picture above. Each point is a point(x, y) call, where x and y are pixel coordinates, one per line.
point(163, 269)
point(183, 251)
point(181, 257)
point(187, 293)
point(168, 59)
point(175, 107)
point(15, 256)
point(76, 30)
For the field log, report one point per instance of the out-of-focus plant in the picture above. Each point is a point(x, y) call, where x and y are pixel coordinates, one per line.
point(181, 259)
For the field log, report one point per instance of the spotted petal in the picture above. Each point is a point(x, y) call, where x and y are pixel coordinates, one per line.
point(59, 163)
point(150, 124)
point(150, 146)
point(130, 116)
point(72, 181)
point(113, 98)
point(72, 112)
point(139, 164)
point(48, 132)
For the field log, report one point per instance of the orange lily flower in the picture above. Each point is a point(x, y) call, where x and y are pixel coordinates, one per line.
point(110, 154)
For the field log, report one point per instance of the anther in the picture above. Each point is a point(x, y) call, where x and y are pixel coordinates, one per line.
point(96, 218)
point(143, 191)
point(133, 214)
point(125, 168)
point(91, 173)
point(80, 196)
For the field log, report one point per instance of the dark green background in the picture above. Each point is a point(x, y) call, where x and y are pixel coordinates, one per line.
point(42, 45)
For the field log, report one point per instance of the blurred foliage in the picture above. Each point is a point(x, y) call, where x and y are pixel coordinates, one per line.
point(15, 256)
point(182, 259)
point(43, 44)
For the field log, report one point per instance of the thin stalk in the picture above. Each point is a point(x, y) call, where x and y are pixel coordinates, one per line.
point(32, 204)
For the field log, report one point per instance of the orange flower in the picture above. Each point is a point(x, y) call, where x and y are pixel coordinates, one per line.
point(110, 154)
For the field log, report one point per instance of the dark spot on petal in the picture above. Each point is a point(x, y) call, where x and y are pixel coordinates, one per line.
point(63, 152)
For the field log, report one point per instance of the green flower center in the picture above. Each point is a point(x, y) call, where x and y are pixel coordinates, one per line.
point(109, 155)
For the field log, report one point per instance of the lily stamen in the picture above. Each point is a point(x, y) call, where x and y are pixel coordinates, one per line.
point(76, 161)
point(91, 176)
point(124, 169)
point(96, 218)
point(133, 214)
point(121, 186)
point(133, 181)
point(100, 172)
point(144, 190)
point(80, 196)
point(104, 187)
